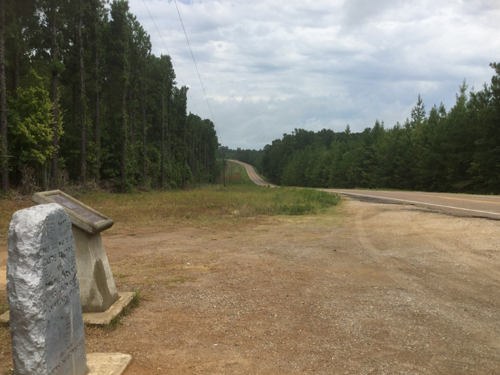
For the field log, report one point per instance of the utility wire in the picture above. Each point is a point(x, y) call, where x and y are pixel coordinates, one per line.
point(171, 60)
point(196, 66)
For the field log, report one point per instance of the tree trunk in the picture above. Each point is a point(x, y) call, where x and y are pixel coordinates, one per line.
point(167, 151)
point(191, 149)
point(83, 152)
point(3, 102)
point(75, 112)
point(55, 139)
point(143, 104)
point(206, 160)
point(200, 161)
point(17, 68)
point(185, 156)
point(124, 132)
point(131, 128)
point(163, 148)
point(132, 99)
point(97, 112)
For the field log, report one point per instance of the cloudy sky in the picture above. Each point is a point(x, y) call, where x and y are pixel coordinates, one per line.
point(269, 66)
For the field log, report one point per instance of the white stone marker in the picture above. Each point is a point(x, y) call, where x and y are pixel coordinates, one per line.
point(46, 322)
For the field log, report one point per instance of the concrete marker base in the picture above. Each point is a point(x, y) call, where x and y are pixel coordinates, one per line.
point(99, 318)
point(107, 363)
point(104, 318)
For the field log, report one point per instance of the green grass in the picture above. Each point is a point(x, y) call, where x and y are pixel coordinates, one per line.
point(114, 323)
point(3, 308)
point(287, 201)
point(117, 320)
point(213, 206)
point(136, 299)
point(303, 201)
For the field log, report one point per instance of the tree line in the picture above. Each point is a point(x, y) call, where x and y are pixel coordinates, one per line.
point(83, 98)
point(439, 150)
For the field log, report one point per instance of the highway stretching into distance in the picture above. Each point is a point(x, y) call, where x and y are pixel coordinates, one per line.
point(251, 173)
point(486, 206)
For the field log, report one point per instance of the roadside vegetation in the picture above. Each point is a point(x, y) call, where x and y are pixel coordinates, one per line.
point(208, 206)
point(455, 150)
point(85, 100)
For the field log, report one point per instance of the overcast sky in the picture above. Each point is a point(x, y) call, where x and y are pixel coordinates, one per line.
point(269, 66)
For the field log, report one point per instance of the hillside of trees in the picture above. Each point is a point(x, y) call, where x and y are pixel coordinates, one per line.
point(439, 150)
point(83, 98)
point(252, 157)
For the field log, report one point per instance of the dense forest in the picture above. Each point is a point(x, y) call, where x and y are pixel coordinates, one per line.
point(453, 151)
point(84, 99)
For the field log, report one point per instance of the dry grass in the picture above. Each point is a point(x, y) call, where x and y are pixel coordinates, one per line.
point(231, 207)
point(213, 206)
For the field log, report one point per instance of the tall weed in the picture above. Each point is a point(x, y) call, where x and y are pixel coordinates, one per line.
point(209, 206)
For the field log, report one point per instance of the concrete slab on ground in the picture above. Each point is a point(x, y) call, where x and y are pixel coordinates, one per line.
point(100, 318)
point(108, 363)
point(104, 318)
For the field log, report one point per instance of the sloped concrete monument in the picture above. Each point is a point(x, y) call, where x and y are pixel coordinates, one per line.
point(100, 299)
point(97, 286)
point(46, 321)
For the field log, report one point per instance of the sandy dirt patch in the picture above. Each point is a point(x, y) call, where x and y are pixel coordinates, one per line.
point(371, 289)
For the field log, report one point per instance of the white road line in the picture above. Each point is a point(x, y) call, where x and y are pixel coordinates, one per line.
point(423, 203)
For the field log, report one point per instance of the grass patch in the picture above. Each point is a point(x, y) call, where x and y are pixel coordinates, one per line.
point(307, 201)
point(117, 320)
point(120, 275)
point(5, 351)
point(213, 206)
point(4, 304)
point(4, 308)
point(135, 299)
point(179, 279)
point(114, 324)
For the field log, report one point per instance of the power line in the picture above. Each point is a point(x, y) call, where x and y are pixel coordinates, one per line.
point(196, 66)
point(171, 60)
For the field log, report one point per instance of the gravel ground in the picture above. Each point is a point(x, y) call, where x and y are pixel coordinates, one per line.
point(370, 289)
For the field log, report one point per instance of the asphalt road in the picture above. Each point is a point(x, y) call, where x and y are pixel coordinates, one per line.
point(487, 206)
point(251, 173)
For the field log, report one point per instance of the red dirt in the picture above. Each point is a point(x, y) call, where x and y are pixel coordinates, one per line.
point(370, 289)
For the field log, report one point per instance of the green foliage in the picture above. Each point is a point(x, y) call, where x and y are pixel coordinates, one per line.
point(306, 201)
point(31, 130)
point(456, 151)
point(3, 308)
point(280, 201)
point(32, 123)
point(125, 121)
point(114, 323)
point(136, 299)
point(117, 320)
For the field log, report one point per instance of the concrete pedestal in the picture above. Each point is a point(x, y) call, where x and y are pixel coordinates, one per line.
point(97, 285)
point(96, 318)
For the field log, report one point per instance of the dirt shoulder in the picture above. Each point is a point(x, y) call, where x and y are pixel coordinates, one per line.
point(371, 289)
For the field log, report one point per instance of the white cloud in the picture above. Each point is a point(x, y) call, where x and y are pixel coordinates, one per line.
point(271, 66)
